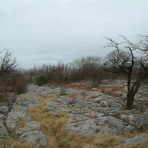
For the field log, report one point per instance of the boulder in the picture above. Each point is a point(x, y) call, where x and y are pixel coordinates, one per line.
point(106, 130)
point(4, 110)
point(18, 113)
point(35, 138)
point(28, 102)
point(1, 117)
point(136, 139)
point(30, 126)
point(10, 99)
point(31, 134)
point(103, 103)
point(111, 123)
point(138, 120)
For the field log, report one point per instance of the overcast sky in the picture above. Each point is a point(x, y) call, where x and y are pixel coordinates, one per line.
point(48, 31)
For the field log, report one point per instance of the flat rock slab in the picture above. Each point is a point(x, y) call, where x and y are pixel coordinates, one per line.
point(18, 113)
point(101, 125)
point(28, 102)
point(35, 138)
point(136, 139)
point(31, 133)
point(138, 120)
point(58, 108)
point(29, 126)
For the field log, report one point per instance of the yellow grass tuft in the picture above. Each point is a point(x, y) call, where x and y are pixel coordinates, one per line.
point(106, 141)
point(92, 97)
point(19, 125)
point(131, 135)
point(17, 144)
point(100, 124)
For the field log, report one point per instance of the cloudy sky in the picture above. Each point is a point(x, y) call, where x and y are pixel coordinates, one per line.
point(49, 31)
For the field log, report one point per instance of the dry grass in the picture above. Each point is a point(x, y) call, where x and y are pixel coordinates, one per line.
point(92, 97)
point(52, 127)
point(100, 124)
point(131, 135)
point(19, 125)
point(17, 144)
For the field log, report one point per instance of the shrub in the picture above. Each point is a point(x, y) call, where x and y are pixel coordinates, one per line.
point(7, 67)
point(19, 82)
point(40, 80)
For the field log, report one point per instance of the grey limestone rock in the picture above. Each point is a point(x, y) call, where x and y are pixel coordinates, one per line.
point(136, 139)
point(106, 130)
point(31, 133)
point(103, 103)
point(35, 138)
point(4, 110)
point(58, 108)
point(30, 126)
point(1, 117)
point(3, 133)
point(28, 102)
point(18, 113)
point(138, 120)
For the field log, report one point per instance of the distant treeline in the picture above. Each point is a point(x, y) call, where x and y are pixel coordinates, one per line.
point(89, 68)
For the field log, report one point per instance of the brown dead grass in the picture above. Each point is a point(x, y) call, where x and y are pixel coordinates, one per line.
point(57, 137)
point(11, 143)
point(131, 135)
point(92, 97)
point(52, 127)
point(100, 124)
point(19, 125)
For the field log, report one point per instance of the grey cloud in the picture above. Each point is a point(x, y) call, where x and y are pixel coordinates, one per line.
point(40, 31)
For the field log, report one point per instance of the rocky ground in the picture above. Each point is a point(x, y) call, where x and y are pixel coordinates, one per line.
point(89, 112)
point(14, 111)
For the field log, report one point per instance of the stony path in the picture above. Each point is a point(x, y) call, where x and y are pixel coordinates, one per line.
point(89, 112)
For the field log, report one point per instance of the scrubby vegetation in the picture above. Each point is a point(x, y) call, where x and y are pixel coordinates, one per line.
point(12, 79)
point(40, 80)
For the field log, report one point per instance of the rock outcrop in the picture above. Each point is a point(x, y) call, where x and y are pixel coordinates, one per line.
point(15, 112)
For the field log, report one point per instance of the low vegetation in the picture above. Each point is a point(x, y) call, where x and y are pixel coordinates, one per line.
point(40, 80)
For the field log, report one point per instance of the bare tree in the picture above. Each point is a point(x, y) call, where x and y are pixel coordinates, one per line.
point(89, 67)
point(123, 60)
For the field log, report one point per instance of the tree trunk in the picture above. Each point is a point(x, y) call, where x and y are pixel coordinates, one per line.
point(131, 94)
point(130, 100)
